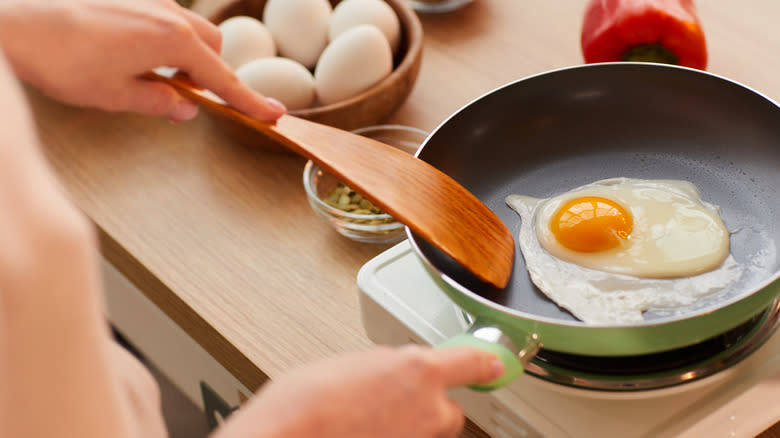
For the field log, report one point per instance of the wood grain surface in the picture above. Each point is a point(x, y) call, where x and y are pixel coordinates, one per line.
point(220, 236)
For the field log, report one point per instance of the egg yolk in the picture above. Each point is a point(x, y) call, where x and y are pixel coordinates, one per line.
point(591, 224)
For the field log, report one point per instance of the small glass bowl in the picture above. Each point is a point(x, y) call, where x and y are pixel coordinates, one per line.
point(370, 228)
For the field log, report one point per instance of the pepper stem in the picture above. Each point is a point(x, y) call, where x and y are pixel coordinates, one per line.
point(651, 53)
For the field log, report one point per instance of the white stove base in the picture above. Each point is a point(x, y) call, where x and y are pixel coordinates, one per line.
point(400, 303)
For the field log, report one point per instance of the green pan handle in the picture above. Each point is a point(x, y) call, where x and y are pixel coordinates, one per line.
point(512, 356)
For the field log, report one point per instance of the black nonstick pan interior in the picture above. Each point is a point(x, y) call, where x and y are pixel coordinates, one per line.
point(547, 134)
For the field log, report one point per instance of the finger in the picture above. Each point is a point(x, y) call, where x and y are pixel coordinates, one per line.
point(157, 99)
point(465, 365)
point(211, 72)
point(453, 419)
point(205, 29)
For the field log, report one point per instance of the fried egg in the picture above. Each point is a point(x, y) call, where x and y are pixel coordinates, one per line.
point(610, 250)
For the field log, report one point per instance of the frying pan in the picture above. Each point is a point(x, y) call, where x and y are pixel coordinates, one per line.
point(546, 134)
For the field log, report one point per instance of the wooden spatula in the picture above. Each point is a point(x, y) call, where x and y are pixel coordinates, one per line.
point(430, 203)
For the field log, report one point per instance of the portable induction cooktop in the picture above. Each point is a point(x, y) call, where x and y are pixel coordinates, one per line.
point(726, 386)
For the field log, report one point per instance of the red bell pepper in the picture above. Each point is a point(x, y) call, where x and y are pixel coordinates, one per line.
point(665, 31)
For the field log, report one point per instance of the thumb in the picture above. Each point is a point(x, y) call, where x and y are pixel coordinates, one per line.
point(158, 99)
point(467, 365)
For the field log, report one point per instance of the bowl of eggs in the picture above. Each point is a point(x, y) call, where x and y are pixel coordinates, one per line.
point(644, 202)
point(344, 63)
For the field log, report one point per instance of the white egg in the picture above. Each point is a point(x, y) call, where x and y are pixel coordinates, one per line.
point(351, 13)
point(352, 63)
point(283, 79)
point(245, 39)
point(675, 250)
point(299, 27)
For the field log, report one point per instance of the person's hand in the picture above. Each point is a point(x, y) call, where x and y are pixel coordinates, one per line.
point(91, 52)
point(382, 393)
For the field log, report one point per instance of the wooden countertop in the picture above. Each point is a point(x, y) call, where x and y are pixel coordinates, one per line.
point(220, 236)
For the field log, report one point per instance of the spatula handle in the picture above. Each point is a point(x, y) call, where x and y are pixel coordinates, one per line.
point(294, 133)
point(189, 89)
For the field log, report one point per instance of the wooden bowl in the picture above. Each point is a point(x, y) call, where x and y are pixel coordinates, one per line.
point(370, 107)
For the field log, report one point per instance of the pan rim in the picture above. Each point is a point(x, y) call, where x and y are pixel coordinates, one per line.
point(770, 282)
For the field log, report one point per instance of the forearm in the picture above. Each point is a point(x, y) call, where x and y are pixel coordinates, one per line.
point(58, 372)
point(4, 376)
point(61, 382)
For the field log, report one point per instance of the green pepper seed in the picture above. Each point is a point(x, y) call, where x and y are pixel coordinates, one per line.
point(346, 199)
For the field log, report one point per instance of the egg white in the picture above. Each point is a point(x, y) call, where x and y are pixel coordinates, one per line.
point(675, 233)
point(600, 297)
